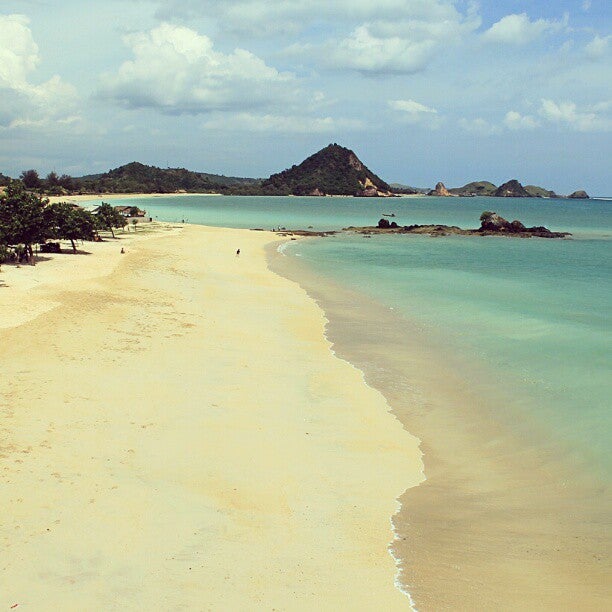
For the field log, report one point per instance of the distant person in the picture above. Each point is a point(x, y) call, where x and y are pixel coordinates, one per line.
point(238, 253)
point(122, 250)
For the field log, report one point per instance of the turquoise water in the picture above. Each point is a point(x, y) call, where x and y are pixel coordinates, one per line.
point(535, 313)
point(592, 217)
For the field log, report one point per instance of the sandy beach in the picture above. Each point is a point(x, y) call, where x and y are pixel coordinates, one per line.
point(80, 198)
point(175, 432)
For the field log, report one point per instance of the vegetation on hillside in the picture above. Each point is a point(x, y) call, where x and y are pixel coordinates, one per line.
point(479, 188)
point(334, 170)
point(139, 178)
point(539, 192)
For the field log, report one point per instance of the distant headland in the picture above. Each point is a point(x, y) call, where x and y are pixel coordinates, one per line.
point(332, 171)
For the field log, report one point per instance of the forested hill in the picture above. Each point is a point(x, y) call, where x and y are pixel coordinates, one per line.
point(334, 170)
point(139, 178)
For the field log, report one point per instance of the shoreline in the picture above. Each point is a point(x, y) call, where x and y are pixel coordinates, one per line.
point(121, 196)
point(487, 495)
point(188, 441)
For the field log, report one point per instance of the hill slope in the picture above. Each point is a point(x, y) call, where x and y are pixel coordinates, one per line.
point(140, 178)
point(479, 188)
point(334, 170)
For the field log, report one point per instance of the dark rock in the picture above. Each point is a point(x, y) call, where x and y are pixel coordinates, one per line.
point(492, 224)
point(511, 189)
point(440, 190)
point(517, 226)
point(579, 195)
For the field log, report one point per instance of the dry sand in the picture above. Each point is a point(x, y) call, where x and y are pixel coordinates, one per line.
point(175, 433)
point(77, 199)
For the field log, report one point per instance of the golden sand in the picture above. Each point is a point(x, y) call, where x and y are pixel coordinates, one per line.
point(175, 433)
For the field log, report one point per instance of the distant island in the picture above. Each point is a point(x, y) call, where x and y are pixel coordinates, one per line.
point(491, 224)
point(510, 189)
point(332, 171)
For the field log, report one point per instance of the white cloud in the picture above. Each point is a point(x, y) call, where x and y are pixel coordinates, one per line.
point(386, 37)
point(249, 122)
point(586, 5)
point(400, 45)
point(410, 106)
point(177, 71)
point(265, 17)
point(23, 102)
point(518, 29)
point(479, 126)
point(593, 118)
point(598, 47)
point(414, 112)
point(515, 121)
point(371, 54)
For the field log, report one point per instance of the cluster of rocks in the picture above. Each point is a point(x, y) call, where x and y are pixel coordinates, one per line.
point(491, 224)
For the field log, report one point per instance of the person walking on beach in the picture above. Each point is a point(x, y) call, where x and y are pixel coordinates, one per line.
point(238, 253)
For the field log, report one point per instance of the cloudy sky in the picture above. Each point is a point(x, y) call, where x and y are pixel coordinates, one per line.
point(422, 90)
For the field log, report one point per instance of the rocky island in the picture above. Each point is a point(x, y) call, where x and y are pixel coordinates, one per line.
point(491, 224)
point(440, 191)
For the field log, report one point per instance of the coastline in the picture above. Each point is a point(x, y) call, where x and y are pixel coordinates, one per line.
point(76, 199)
point(149, 439)
point(493, 525)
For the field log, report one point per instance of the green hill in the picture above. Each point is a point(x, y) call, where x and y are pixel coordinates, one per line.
point(140, 178)
point(334, 170)
point(539, 192)
point(479, 188)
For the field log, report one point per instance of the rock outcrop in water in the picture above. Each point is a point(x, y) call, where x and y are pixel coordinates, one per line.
point(511, 189)
point(579, 195)
point(440, 191)
point(491, 224)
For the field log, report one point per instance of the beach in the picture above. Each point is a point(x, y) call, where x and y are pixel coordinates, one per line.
point(500, 523)
point(176, 432)
point(93, 197)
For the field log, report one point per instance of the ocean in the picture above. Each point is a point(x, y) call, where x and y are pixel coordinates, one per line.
point(516, 344)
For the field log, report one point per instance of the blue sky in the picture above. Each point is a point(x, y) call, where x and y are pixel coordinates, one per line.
point(422, 90)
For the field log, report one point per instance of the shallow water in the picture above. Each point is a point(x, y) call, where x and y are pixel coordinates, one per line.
point(536, 312)
point(516, 376)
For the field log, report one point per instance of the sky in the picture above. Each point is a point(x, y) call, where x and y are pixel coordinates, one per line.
point(422, 90)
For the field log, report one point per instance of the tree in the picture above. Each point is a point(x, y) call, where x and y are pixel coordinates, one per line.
point(52, 184)
point(30, 179)
point(70, 223)
point(52, 179)
point(22, 218)
point(109, 218)
point(67, 182)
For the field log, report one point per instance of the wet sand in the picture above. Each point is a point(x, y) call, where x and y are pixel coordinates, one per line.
point(495, 526)
point(175, 433)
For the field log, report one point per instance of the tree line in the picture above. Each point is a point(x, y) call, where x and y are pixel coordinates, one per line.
point(27, 219)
